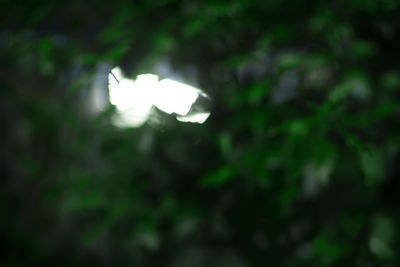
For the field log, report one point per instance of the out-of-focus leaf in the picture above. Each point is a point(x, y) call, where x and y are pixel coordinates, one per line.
point(391, 80)
point(289, 60)
point(327, 250)
point(381, 238)
point(372, 163)
point(218, 177)
point(116, 53)
point(113, 34)
point(361, 49)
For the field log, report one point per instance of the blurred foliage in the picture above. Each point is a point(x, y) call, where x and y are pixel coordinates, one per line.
point(297, 165)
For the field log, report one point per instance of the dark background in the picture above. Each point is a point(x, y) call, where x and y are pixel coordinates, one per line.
point(296, 166)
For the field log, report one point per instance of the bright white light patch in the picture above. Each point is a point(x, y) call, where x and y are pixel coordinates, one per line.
point(134, 99)
point(174, 97)
point(197, 118)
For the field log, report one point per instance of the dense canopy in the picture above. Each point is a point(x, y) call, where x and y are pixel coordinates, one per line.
point(296, 166)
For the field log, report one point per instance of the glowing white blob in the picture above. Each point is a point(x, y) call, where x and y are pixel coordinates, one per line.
point(196, 118)
point(134, 99)
point(115, 75)
point(174, 97)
